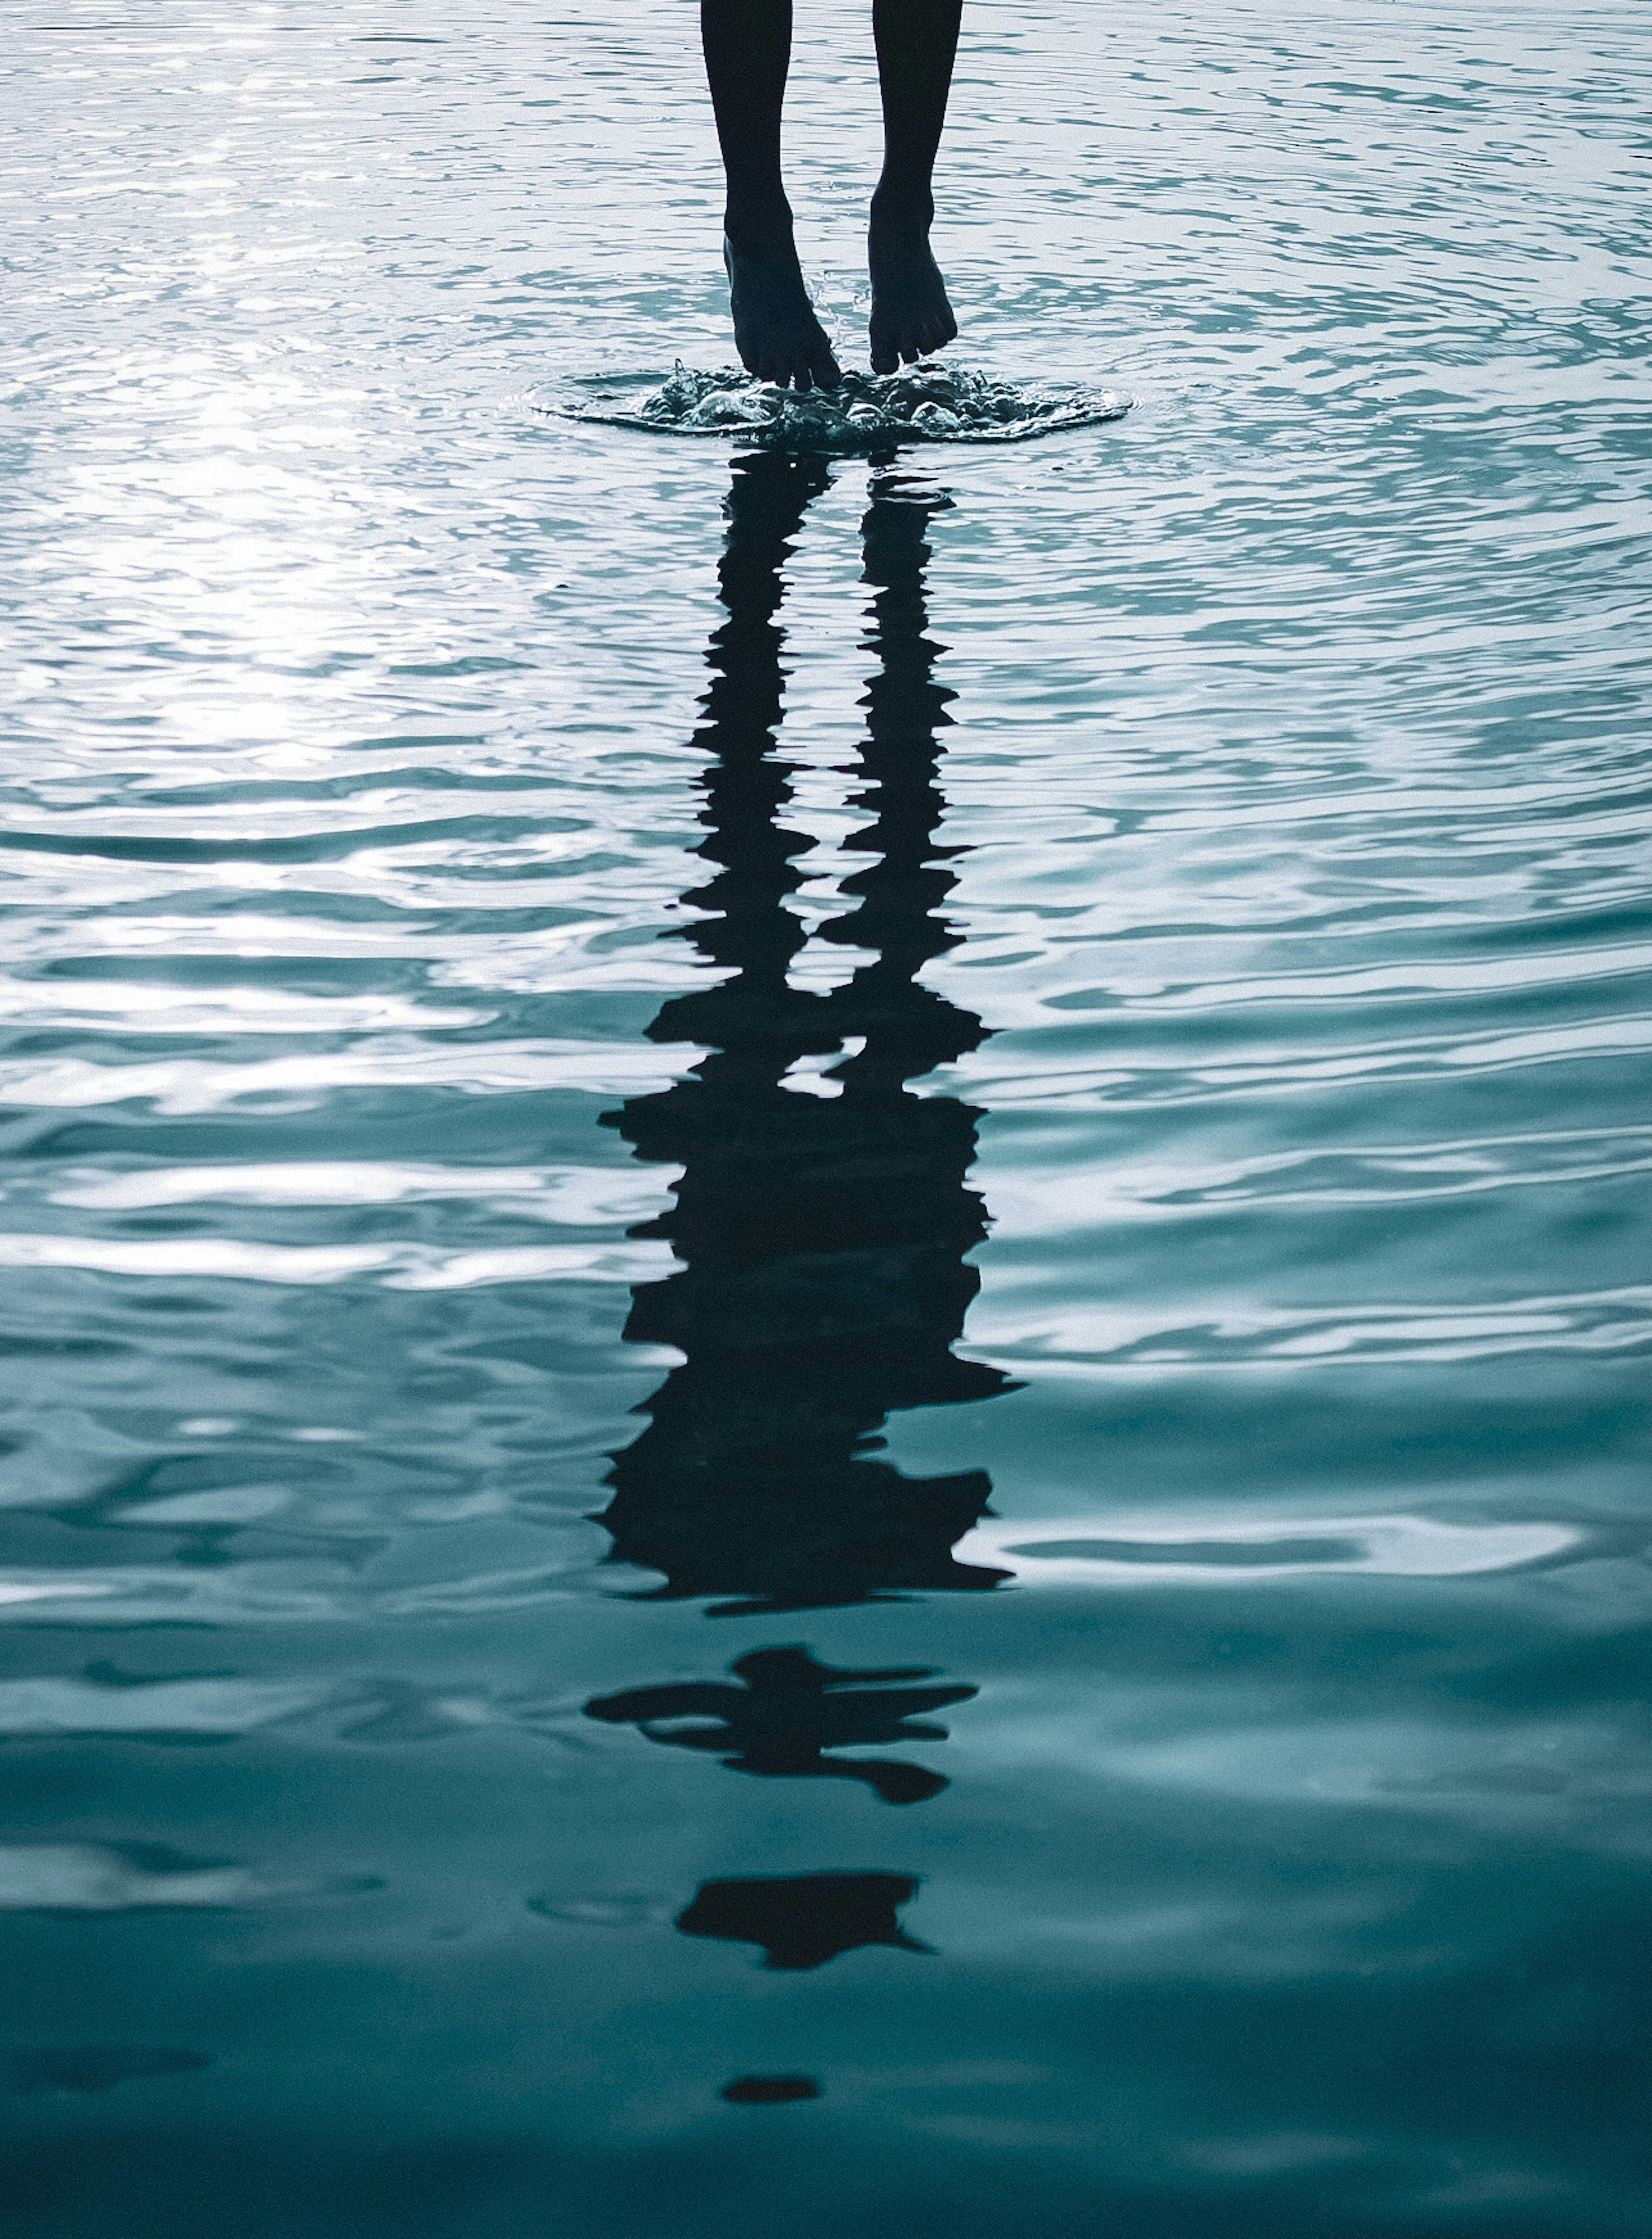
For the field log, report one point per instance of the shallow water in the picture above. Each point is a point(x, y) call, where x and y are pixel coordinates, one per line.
point(1092, 1180)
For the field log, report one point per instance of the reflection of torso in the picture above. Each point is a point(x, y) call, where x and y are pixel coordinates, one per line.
point(825, 1287)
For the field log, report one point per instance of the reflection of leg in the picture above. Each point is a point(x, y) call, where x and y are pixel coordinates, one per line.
point(893, 1782)
point(903, 891)
point(888, 1780)
point(755, 1017)
point(917, 40)
point(748, 47)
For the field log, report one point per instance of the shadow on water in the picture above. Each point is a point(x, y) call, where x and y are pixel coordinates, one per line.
point(824, 1237)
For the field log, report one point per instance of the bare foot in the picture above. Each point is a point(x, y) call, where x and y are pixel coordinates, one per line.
point(776, 332)
point(911, 316)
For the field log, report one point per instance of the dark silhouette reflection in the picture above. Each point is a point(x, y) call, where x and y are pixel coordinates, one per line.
point(803, 1920)
point(788, 1711)
point(824, 1237)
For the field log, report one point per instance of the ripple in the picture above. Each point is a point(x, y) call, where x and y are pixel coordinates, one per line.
point(1317, 1066)
point(1075, 1553)
point(135, 1010)
point(89, 1878)
point(1240, 1337)
point(184, 1086)
point(1152, 1185)
point(262, 1594)
point(401, 1266)
point(926, 404)
point(571, 1196)
point(203, 1709)
point(1289, 846)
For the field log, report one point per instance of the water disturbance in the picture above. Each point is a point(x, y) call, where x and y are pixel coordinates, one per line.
point(869, 413)
point(826, 1303)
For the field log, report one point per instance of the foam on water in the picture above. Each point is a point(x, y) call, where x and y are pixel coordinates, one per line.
point(926, 404)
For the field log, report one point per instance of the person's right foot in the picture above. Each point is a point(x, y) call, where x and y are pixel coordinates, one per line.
point(776, 332)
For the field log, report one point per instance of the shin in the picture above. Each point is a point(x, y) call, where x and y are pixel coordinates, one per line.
point(916, 42)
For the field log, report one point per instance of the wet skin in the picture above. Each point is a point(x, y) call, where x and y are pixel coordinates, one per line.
point(748, 46)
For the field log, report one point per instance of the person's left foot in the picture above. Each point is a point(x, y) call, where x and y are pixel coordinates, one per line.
point(911, 316)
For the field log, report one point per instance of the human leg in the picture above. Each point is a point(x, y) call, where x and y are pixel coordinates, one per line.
point(917, 41)
point(748, 48)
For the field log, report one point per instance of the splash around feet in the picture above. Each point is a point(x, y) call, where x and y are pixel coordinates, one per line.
point(863, 413)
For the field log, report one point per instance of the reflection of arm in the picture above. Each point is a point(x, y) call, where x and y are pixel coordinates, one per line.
point(881, 1717)
point(690, 1699)
point(831, 1676)
point(719, 1736)
point(907, 1702)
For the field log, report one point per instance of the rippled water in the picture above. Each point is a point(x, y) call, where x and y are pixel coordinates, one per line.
point(529, 1707)
point(876, 415)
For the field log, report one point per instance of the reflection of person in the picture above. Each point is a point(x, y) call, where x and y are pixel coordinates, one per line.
point(824, 1236)
point(748, 47)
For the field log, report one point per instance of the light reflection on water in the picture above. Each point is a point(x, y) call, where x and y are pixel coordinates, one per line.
point(1203, 1553)
point(516, 1660)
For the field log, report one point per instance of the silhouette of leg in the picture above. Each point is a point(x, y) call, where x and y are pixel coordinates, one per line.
point(748, 47)
point(910, 316)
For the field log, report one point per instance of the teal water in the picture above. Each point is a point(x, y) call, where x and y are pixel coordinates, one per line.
point(827, 1292)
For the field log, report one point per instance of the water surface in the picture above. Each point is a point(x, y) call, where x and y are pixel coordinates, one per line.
point(827, 1292)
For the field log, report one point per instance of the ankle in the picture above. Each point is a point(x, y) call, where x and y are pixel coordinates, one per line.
point(759, 223)
point(904, 202)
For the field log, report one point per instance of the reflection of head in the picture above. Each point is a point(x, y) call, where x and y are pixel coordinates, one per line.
point(824, 1237)
point(803, 1920)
